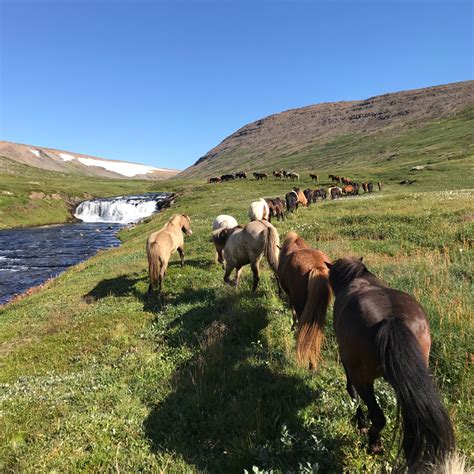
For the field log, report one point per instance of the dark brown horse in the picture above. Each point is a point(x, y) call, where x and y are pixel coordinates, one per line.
point(383, 332)
point(314, 177)
point(303, 275)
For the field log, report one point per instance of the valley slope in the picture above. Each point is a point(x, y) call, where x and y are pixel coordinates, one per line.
point(387, 132)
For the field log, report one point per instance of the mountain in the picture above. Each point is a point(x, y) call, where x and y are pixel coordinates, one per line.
point(77, 163)
point(402, 127)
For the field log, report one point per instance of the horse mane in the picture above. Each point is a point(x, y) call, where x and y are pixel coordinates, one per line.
point(344, 270)
point(221, 236)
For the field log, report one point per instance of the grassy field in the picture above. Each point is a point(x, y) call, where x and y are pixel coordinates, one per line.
point(96, 376)
point(18, 181)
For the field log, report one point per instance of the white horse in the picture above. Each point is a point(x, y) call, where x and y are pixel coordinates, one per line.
point(244, 245)
point(259, 211)
point(222, 221)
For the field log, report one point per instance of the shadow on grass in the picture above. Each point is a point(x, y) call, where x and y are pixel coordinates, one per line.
point(228, 407)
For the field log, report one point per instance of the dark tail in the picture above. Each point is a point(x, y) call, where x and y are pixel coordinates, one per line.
point(427, 430)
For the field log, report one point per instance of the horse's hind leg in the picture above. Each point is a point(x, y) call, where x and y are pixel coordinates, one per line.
point(228, 271)
point(256, 274)
point(161, 276)
point(181, 255)
point(376, 416)
point(360, 417)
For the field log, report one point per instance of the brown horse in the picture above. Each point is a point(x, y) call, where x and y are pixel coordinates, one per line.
point(161, 244)
point(383, 332)
point(244, 245)
point(303, 275)
point(314, 177)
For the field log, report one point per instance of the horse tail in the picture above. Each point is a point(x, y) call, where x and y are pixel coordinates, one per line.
point(428, 434)
point(309, 338)
point(270, 248)
point(154, 263)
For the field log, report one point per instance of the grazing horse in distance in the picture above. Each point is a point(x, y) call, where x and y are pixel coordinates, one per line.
point(291, 201)
point(259, 210)
point(319, 193)
point(260, 175)
point(278, 174)
point(335, 192)
point(276, 207)
point(308, 193)
point(222, 221)
point(346, 190)
point(301, 197)
point(370, 188)
point(227, 177)
point(247, 245)
point(214, 180)
point(303, 275)
point(241, 175)
point(314, 177)
point(380, 185)
point(293, 176)
point(383, 332)
point(161, 244)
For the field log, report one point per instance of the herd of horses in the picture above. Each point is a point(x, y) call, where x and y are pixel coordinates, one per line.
point(380, 331)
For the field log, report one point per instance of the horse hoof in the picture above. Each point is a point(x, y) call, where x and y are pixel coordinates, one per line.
point(376, 448)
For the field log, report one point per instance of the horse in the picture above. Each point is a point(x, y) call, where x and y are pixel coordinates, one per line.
point(291, 199)
point(314, 177)
point(303, 275)
point(227, 177)
point(222, 221)
point(161, 244)
point(383, 332)
point(301, 197)
point(293, 176)
point(370, 187)
point(319, 193)
point(308, 194)
point(335, 192)
point(380, 185)
point(241, 175)
point(259, 210)
point(260, 175)
point(276, 207)
point(346, 190)
point(214, 180)
point(247, 245)
point(278, 174)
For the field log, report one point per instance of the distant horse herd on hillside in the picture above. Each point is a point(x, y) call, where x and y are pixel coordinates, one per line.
point(381, 332)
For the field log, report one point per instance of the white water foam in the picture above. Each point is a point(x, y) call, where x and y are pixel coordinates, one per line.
point(121, 209)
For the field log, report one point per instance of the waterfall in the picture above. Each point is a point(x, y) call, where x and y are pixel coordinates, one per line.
point(122, 209)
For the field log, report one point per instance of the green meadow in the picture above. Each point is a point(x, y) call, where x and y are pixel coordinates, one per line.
point(97, 376)
point(18, 182)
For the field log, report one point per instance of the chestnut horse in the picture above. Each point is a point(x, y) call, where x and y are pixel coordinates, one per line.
point(303, 275)
point(383, 332)
point(161, 244)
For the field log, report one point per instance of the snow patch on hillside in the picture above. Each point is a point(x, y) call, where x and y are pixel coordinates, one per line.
point(125, 169)
point(66, 157)
point(35, 152)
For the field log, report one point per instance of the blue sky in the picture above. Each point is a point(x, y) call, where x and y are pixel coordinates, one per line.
point(162, 82)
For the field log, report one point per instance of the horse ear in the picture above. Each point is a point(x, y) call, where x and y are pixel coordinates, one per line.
point(360, 259)
point(329, 265)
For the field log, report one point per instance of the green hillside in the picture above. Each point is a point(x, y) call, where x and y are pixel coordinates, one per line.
point(95, 376)
point(61, 191)
point(389, 152)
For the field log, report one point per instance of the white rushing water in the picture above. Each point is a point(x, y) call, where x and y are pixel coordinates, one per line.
point(121, 209)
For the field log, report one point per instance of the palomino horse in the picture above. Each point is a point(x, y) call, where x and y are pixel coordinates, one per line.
point(259, 210)
point(301, 197)
point(303, 275)
point(247, 245)
point(222, 221)
point(161, 244)
point(383, 332)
